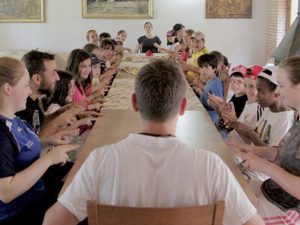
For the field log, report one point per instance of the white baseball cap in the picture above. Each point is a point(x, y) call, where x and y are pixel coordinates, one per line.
point(269, 73)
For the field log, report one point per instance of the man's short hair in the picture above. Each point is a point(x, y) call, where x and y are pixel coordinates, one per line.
point(160, 87)
point(34, 61)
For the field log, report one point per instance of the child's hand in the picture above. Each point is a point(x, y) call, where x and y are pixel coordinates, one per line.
point(215, 101)
point(228, 114)
point(89, 114)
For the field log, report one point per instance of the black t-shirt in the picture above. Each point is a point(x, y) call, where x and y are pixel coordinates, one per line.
point(32, 114)
point(8, 151)
point(148, 44)
point(239, 104)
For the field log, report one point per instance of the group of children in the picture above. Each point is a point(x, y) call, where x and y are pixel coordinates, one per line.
point(60, 106)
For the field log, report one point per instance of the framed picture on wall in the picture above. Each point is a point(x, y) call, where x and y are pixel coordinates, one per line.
point(22, 11)
point(117, 9)
point(216, 9)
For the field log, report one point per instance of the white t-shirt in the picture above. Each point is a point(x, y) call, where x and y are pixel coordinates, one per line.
point(151, 171)
point(173, 47)
point(272, 127)
point(250, 115)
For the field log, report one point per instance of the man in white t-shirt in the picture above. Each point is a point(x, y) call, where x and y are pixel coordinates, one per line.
point(153, 168)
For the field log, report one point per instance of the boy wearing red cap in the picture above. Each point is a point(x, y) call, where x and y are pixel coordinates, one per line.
point(252, 110)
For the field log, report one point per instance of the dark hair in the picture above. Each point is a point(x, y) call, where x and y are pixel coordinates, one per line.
point(177, 27)
point(292, 65)
point(148, 23)
point(237, 74)
point(104, 36)
point(219, 56)
point(34, 61)
point(117, 42)
point(270, 84)
point(75, 58)
point(120, 32)
point(226, 63)
point(160, 87)
point(90, 47)
point(62, 89)
point(208, 60)
point(106, 43)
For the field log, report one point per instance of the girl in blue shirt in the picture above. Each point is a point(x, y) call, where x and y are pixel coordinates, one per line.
point(23, 194)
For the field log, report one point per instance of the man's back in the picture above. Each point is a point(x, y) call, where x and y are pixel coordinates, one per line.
point(156, 172)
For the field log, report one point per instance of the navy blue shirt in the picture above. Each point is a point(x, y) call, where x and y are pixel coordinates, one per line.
point(20, 147)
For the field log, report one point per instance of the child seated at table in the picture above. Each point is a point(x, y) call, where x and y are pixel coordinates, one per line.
point(208, 64)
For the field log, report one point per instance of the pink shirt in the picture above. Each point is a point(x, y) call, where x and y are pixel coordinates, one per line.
point(78, 96)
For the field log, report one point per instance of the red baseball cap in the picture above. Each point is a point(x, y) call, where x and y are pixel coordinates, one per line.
point(253, 71)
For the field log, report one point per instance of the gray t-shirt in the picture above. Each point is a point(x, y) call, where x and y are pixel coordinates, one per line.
point(289, 159)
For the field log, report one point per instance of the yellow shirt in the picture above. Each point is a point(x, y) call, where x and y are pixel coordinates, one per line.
point(190, 75)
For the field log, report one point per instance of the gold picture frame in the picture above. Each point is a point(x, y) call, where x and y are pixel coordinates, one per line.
point(22, 11)
point(228, 9)
point(117, 9)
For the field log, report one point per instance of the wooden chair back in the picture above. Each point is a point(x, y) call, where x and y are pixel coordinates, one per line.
point(119, 215)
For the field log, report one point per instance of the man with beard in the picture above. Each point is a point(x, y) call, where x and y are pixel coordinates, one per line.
point(43, 76)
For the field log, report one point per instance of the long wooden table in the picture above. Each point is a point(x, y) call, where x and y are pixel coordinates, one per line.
point(118, 120)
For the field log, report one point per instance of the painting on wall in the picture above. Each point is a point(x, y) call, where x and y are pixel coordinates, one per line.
point(22, 11)
point(216, 9)
point(117, 9)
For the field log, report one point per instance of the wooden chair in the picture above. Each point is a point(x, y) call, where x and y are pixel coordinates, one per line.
point(117, 215)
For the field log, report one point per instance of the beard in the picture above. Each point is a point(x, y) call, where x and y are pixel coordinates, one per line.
point(45, 89)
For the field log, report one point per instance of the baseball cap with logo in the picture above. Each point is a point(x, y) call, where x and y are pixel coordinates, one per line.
point(253, 71)
point(270, 73)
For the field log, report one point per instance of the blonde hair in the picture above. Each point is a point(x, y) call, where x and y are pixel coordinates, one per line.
point(88, 34)
point(292, 65)
point(10, 70)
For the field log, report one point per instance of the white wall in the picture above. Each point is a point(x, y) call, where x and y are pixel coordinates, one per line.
point(242, 40)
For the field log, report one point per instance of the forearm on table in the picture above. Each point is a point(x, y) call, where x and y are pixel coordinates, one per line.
point(289, 182)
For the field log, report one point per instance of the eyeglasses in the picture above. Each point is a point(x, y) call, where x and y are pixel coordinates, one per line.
point(238, 82)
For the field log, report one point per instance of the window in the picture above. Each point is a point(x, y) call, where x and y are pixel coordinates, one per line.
point(293, 10)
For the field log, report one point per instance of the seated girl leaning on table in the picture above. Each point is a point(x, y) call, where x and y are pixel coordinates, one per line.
point(278, 197)
point(105, 74)
point(79, 64)
point(208, 64)
point(25, 191)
